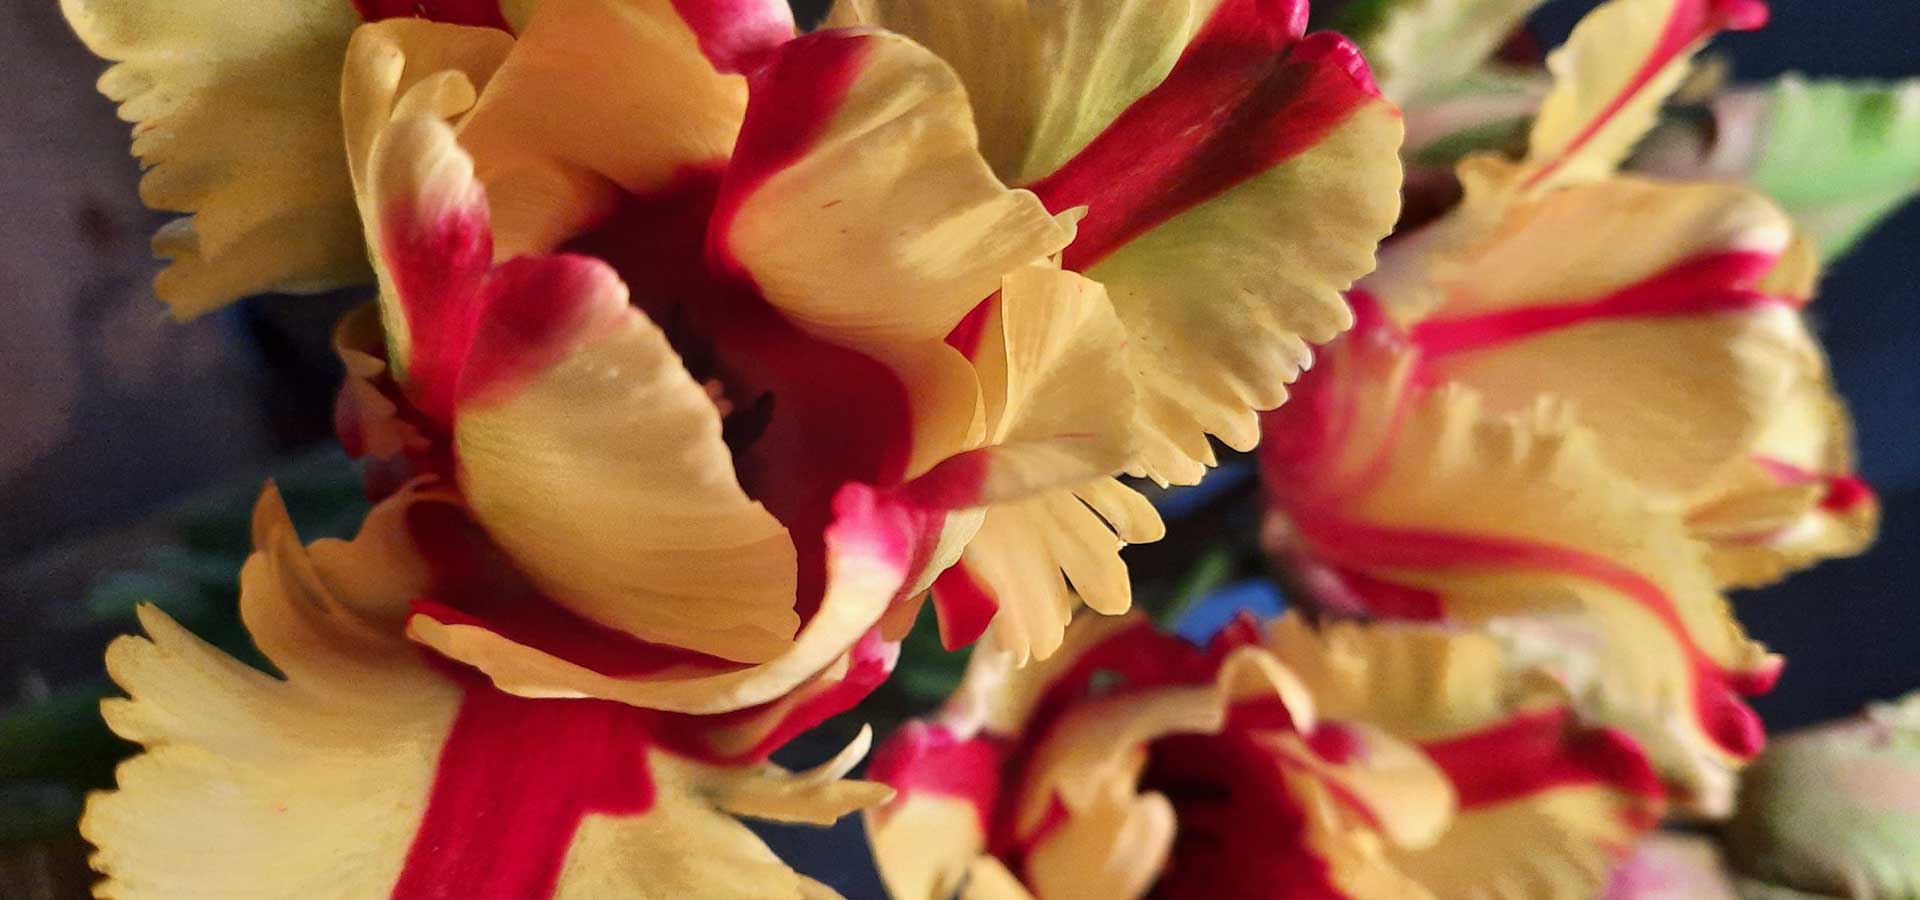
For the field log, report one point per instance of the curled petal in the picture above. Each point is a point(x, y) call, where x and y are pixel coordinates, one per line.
point(857, 200)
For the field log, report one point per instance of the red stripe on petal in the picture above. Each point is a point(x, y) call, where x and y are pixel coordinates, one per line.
point(965, 607)
point(482, 13)
point(736, 35)
point(1722, 715)
point(870, 662)
point(1692, 21)
point(1247, 95)
point(514, 780)
point(1845, 493)
point(1706, 285)
point(790, 102)
point(473, 584)
point(1541, 751)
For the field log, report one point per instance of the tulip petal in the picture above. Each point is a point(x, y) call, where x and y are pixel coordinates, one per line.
point(1045, 78)
point(1547, 804)
point(236, 118)
point(1203, 239)
point(1656, 322)
point(870, 548)
point(1053, 386)
point(1487, 516)
point(368, 772)
point(1612, 76)
point(1033, 562)
point(857, 201)
point(1797, 500)
point(552, 146)
point(553, 386)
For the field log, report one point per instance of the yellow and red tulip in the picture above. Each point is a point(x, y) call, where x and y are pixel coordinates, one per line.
point(1196, 136)
point(1580, 405)
point(370, 769)
point(1132, 764)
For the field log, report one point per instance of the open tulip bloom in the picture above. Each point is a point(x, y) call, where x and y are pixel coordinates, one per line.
point(705, 353)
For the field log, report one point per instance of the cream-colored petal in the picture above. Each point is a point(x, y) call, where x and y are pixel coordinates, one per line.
point(1056, 397)
point(236, 117)
point(1222, 301)
point(318, 785)
point(1044, 78)
point(1653, 321)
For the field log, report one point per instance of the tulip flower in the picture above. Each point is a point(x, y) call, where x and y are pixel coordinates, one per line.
point(1358, 761)
point(1236, 174)
point(1579, 405)
point(366, 768)
point(1132, 764)
point(652, 363)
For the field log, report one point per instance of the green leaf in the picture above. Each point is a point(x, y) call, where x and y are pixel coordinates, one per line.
point(1840, 155)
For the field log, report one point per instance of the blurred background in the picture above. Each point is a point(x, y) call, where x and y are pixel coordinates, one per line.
point(131, 441)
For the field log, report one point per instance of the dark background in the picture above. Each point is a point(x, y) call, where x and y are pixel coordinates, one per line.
point(111, 415)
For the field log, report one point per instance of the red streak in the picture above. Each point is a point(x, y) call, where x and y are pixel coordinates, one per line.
point(1247, 94)
point(922, 758)
point(1705, 285)
point(514, 781)
point(1723, 717)
point(482, 13)
point(1845, 493)
point(1541, 751)
point(965, 606)
point(1692, 21)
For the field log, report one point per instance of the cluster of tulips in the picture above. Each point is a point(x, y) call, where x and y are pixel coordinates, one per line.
point(701, 353)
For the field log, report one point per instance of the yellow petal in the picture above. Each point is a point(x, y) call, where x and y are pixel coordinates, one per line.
point(236, 117)
point(331, 781)
point(866, 214)
point(1015, 574)
point(1613, 75)
point(1796, 500)
point(1477, 518)
point(869, 549)
point(1547, 804)
point(1044, 78)
point(552, 146)
point(1056, 397)
point(1642, 306)
point(1222, 300)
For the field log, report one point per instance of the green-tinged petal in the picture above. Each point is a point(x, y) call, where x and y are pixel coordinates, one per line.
point(1836, 810)
point(1840, 156)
